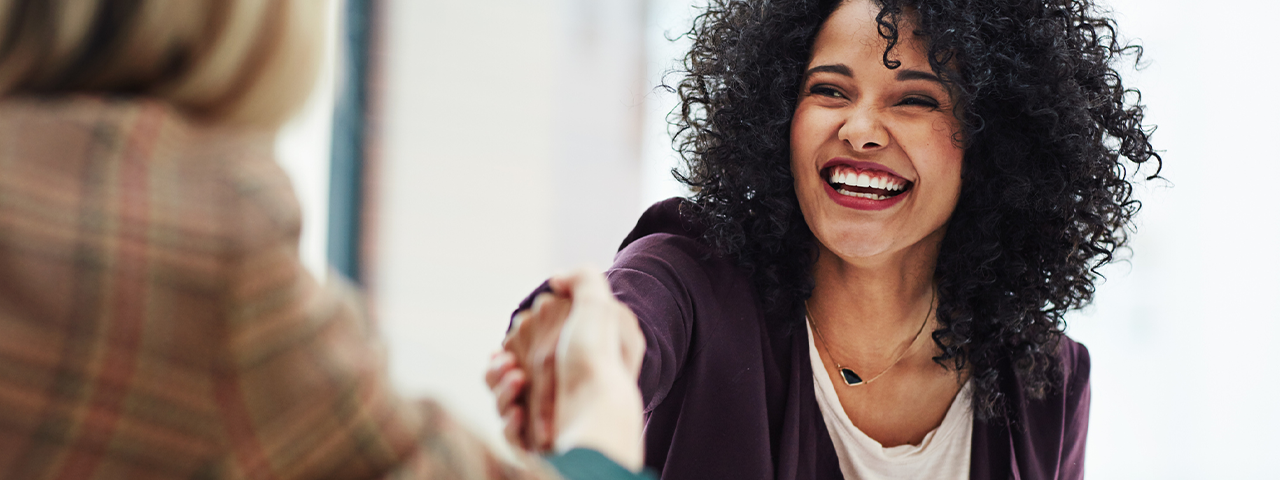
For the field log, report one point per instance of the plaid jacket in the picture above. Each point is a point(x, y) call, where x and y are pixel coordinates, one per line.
point(155, 321)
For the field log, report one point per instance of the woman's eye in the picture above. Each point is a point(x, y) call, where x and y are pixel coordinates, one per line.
point(825, 91)
point(920, 102)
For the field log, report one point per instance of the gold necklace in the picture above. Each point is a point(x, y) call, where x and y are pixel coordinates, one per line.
point(850, 377)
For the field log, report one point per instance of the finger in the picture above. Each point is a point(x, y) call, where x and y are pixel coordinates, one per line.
point(541, 414)
point(582, 282)
point(548, 435)
point(540, 303)
point(540, 400)
point(499, 364)
point(555, 311)
point(510, 389)
point(513, 426)
point(516, 323)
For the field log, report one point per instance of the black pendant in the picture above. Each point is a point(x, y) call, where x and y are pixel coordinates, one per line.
point(850, 378)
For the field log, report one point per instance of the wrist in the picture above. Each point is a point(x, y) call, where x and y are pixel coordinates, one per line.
point(602, 411)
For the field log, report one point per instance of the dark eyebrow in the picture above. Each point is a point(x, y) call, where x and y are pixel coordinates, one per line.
point(905, 74)
point(837, 69)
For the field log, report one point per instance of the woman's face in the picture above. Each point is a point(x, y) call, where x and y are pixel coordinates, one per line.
point(872, 152)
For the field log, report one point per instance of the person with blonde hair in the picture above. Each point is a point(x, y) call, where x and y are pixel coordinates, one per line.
point(155, 319)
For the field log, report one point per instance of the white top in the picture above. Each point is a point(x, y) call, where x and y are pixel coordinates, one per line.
point(942, 455)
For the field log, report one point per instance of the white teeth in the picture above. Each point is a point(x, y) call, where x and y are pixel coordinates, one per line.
point(854, 179)
point(862, 195)
point(864, 180)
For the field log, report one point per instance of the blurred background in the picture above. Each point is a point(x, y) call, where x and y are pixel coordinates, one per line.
point(456, 153)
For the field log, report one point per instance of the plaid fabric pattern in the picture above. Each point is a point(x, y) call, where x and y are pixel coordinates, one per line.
point(155, 320)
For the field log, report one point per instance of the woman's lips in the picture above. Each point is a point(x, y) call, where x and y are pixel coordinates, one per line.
point(860, 201)
point(863, 185)
point(859, 165)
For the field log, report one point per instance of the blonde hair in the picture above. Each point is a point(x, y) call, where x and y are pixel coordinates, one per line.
point(247, 62)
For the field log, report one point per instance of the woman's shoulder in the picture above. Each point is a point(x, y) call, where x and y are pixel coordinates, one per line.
point(1069, 390)
point(664, 268)
point(1075, 364)
point(670, 216)
point(668, 245)
point(1069, 387)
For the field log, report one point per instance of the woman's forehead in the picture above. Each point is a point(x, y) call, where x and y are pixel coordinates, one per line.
point(852, 32)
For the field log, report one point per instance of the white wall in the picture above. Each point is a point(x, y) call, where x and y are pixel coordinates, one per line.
point(666, 23)
point(1182, 338)
point(511, 135)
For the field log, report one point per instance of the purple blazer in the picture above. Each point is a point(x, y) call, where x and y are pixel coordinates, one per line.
point(726, 397)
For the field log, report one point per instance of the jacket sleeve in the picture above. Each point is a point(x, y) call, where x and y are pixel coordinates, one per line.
point(653, 276)
point(586, 464)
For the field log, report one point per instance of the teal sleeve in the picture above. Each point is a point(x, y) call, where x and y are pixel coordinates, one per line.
point(586, 464)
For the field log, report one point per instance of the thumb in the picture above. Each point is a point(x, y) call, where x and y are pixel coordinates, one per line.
point(583, 283)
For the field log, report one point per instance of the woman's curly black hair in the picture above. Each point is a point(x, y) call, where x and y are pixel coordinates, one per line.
point(1045, 199)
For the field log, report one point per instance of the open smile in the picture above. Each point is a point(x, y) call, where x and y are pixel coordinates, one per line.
point(870, 184)
point(864, 185)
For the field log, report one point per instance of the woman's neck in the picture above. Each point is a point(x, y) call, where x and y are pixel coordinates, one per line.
point(870, 307)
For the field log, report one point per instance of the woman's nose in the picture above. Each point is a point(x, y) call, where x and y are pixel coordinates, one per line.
point(863, 129)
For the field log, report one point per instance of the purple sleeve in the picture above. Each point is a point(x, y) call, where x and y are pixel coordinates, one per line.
point(666, 333)
point(658, 277)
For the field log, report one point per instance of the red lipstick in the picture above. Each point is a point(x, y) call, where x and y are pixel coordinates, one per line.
point(856, 197)
point(860, 166)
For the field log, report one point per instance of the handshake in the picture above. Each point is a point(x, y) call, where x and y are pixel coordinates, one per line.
point(567, 375)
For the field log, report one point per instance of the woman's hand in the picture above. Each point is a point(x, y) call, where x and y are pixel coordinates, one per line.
point(568, 375)
point(509, 383)
point(522, 376)
point(600, 352)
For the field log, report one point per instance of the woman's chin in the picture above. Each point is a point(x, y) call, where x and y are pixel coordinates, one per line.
point(857, 248)
point(874, 243)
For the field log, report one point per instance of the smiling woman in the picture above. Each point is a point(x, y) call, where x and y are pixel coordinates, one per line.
point(856, 118)
point(865, 171)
